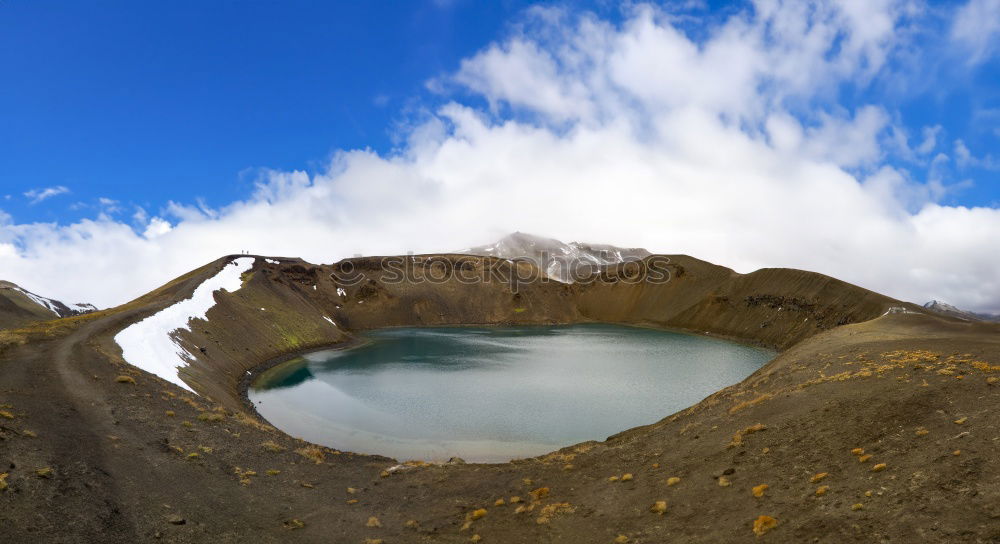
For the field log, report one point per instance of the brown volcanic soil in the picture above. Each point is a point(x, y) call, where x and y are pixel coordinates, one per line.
point(121, 467)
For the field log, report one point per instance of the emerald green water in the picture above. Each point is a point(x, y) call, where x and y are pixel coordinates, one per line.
point(490, 394)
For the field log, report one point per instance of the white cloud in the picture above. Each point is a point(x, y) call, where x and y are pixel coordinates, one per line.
point(38, 195)
point(732, 149)
point(976, 29)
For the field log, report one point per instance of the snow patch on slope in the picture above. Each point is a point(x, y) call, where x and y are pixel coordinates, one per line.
point(151, 344)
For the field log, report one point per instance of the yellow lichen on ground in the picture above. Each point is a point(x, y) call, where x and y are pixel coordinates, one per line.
point(515, 499)
point(864, 458)
point(621, 539)
point(857, 451)
point(499, 502)
point(626, 477)
point(476, 514)
point(293, 524)
point(821, 490)
point(673, 480)
point(763, 524)
point(475, 538)
point(724, 482)
point(921, 432)
point(30, 434)
point(373, 522)
point(818, 477)
point(879, 467)
point(3, 481)
point(961, 421)
point(857, 506)
point(758, 490)
point(125, 379)
point(272, 446)
point(659, 507)
point(44, 472)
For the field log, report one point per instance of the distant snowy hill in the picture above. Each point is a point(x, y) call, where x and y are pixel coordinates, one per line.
point(19, 306)
point(949, 310)
point(557, 258)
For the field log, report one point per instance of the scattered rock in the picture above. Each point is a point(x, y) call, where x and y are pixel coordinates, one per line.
point(673, 480)
point(758, 490)
point(373, 522)
point(44, 472)
point(175, 519)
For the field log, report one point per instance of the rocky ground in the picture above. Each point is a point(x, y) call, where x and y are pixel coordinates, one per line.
point(870, 428)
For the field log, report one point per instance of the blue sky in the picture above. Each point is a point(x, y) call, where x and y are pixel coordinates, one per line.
point(146, 102)
point(858, 138)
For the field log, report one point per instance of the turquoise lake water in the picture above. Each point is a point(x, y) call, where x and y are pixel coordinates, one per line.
point(491, 394)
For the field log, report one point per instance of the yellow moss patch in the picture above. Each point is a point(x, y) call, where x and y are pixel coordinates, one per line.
point(724, 482)
point(627, 476)
point(864, 458)
point(411, 524)
point(272, 472)
point(922, 432)
point(821, 490)
point(659, 507)
point(857, 506)
point(170, 413)
point(44, 472)
point(621, 539)
point(858, 451)
point(272, 446)
point(3, 481)
point(673, 480)
point(758, 490)
point(477, 538)
point(210, 416)
point(515, 499)
point(477, 514)
point(373, 522)
point(551, 510)
point(613, 479)
point(125, 379)
point(244, 475)
point(879, 467)
point(313, 453)
point(961, 421)
point(499, 502)
point(539, 494)
point(819, 477)
point(29, 434)
point(763, 524)
point(747, 404)
point(6, 414)
point(738, 436)
point(293, 524)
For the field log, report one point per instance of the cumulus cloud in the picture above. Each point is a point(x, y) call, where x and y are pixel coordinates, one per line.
point(38, 195)
point(730, 146)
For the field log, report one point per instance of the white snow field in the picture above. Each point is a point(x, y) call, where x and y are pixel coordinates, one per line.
point(150, 344)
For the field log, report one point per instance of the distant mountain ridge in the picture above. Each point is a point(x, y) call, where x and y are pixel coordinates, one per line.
point(949, 310)
point(18, 306)
point(558, 259)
